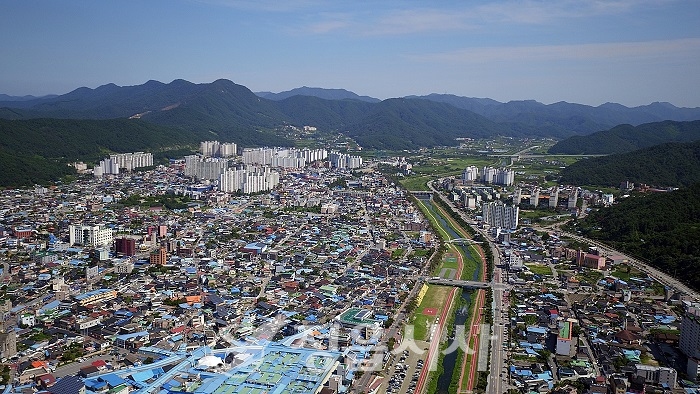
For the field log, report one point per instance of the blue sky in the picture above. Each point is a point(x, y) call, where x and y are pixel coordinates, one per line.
point(632, 52)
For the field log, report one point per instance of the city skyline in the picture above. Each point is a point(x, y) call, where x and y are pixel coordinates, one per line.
point(629, 52)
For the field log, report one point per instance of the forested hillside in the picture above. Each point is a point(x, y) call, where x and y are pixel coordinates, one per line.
point(661, 228)
point(672, 164)
point(37, 150)
point(627, 138)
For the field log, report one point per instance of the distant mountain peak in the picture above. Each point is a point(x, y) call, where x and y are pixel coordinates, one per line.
point(322, 93)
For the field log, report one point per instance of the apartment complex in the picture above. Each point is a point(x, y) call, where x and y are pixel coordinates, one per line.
point(498, 215)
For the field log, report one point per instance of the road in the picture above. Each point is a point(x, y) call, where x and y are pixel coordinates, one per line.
point(499, 339)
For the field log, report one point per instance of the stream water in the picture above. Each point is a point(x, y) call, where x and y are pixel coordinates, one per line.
point(462, 314)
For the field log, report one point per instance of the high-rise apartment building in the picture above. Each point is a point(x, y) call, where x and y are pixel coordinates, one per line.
point(342, 160)
point(205, 168)
point(470, 174)
point(689, 342)
point(218, 149)
point(129, 161)
point(496, 214)
point(498, 176)
point(249, 180)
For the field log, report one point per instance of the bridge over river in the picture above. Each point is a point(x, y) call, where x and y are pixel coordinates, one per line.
point(465, 284)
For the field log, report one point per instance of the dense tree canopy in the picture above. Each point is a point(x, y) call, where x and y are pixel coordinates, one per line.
point(661, 228)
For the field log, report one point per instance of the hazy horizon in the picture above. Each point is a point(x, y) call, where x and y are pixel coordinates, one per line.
point(631, 52)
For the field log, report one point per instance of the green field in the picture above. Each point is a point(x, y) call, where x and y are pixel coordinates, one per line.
point(538, 269)
point(416, 182)
point(434, 298)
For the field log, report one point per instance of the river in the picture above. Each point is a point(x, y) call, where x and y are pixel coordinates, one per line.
point(461, 315)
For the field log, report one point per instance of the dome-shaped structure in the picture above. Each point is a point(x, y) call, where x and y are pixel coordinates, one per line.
point(209, 361)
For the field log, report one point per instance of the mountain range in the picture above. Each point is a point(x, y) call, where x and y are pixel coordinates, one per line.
point(627, 138)
point(228, 111)
point(326, 94)
point(670, 164)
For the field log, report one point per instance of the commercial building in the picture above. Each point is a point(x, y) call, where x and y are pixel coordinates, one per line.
point(87, 235)
point(99, 295)
point(159, 256)
point(125, 246)
point(659, 376)
point(565, 345)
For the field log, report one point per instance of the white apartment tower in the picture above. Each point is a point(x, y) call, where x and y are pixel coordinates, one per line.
point(129, 161)
point(470, 174)
point(535, 197)
point(573, 196)
point(554, 197)
point(106, 166)
point(205, 168)
point(250, 180)
point(341, 160)
point(498, 176)
point(689, 341)
point(498, 215)
point(218, 149)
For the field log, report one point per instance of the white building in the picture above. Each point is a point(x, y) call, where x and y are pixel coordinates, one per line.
point(86, 235)
point(27, 320)
point(573, 197)
point(608, 199)
point(498, 176)
point(129, 161)
point(554, 197)
point(657, 375)
point(498, 215)
point(689, 342)
point(218, 149)
point(535, 197)
point(470, 174)
point(123, 267)
point(565, 345)
point(106, 166)
point(204, 168)
point(249, 180)
point(342, 160)
point(283, 157)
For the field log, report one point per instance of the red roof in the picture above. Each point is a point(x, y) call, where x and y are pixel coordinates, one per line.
point(176, 330)
point(99, 363)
